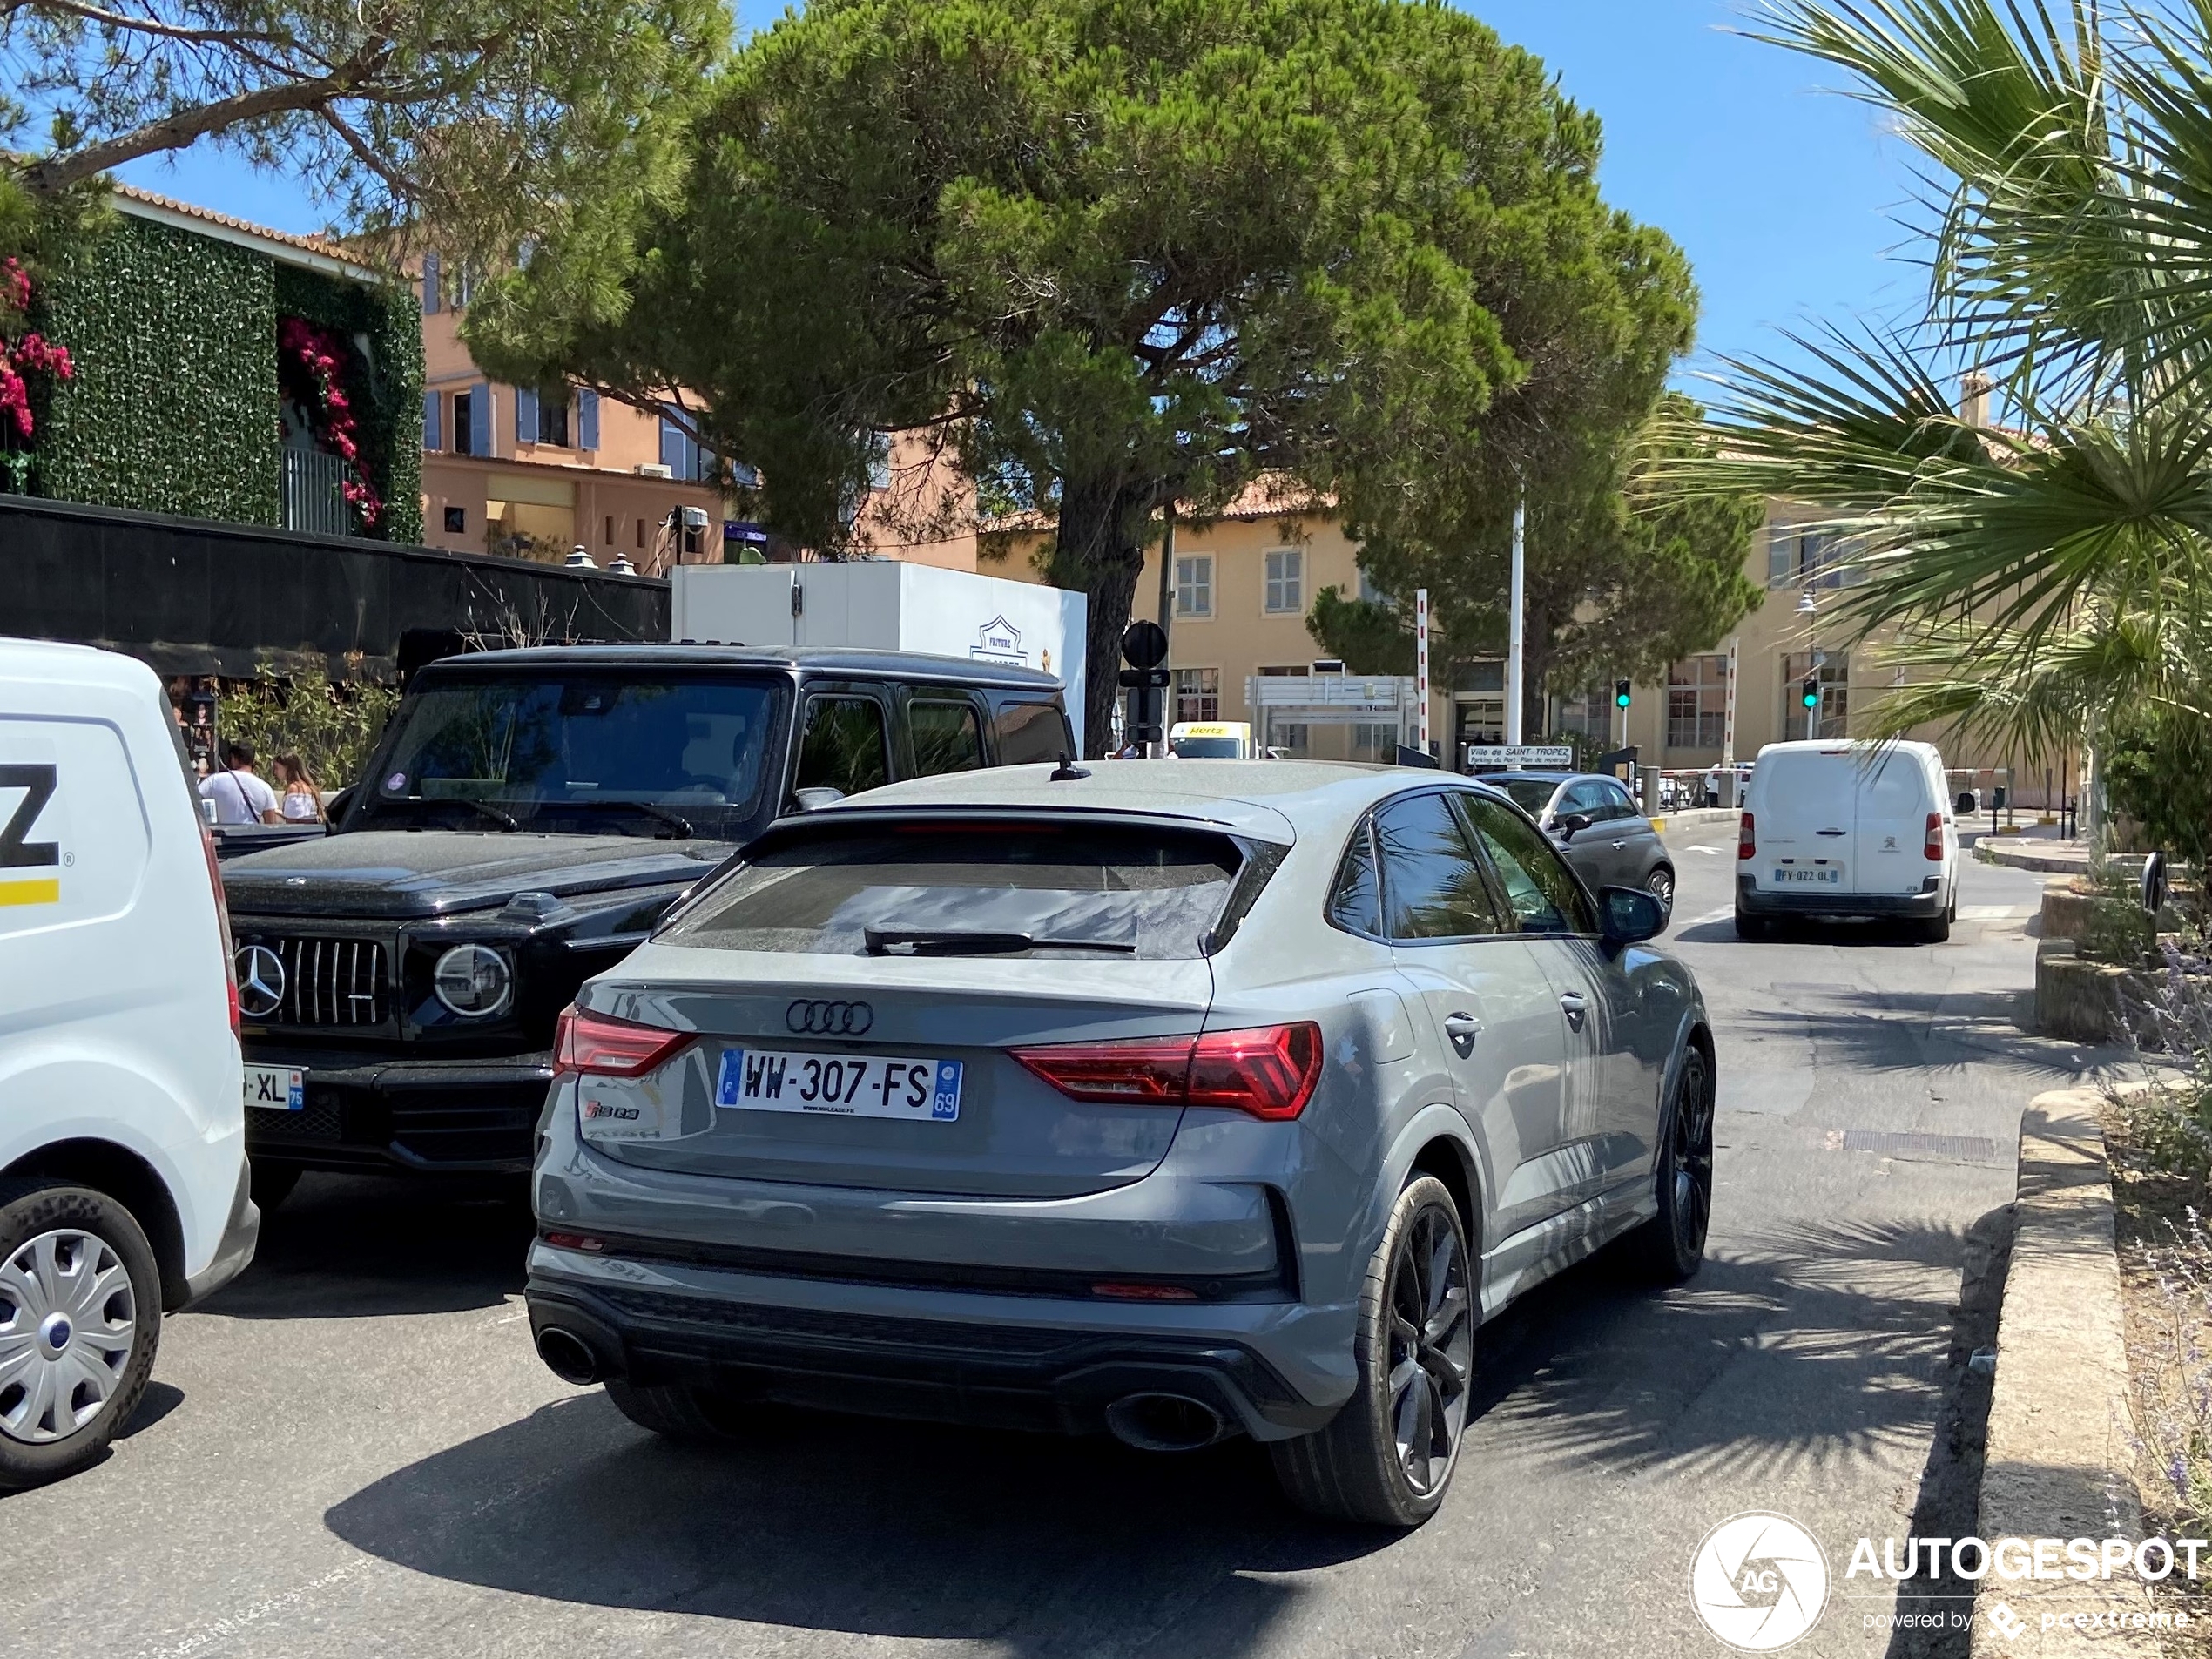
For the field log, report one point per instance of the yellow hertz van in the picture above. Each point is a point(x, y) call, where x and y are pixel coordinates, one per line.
point(1210, 740)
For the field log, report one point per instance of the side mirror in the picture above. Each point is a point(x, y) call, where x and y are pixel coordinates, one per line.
point(1569, 827)
point(334, 808)
point(1631, 915)
point(814, 798)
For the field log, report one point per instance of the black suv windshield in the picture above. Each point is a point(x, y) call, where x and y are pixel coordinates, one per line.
point(594, 753)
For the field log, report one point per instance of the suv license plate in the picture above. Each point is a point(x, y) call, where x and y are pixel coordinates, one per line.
point(1817, 876)
point(277, 1089)
point(840, 1085)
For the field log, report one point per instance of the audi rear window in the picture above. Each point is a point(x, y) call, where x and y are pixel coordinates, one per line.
point(956, 887)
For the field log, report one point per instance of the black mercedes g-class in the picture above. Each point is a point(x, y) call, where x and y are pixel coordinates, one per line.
point(525, 820)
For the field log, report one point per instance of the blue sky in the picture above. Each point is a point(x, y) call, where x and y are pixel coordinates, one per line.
point(1787, 196)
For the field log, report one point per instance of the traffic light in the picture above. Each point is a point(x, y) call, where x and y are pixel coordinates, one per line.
point(1810, 695)
point(1620, 694)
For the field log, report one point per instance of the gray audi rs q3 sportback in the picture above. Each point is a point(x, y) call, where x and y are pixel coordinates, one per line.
point(1178, 1099)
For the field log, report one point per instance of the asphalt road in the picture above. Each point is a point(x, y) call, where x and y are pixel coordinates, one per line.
point(354, 1451)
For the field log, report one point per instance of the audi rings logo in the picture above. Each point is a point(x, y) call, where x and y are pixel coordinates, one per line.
point(829, 1019)
point(260, 981)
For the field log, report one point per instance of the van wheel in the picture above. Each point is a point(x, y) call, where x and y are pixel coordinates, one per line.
point(1936, 930)
point(1670, 1247)
point(272, 1184)
point(80, 1318)
point(675, 1412)
point(1387, 1457)
point(1753, 927)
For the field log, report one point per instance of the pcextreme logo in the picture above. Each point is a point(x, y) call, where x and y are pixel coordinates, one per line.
point(1758, 1581)
point(18, 851)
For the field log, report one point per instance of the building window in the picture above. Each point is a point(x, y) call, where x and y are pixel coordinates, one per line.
point(464, 408)
point(1369, 592)
point(456, 521)
point(1799, 556)
point(1374, 743)
point(641, 534)
point(553, 419)
point(1833, 670)
point(1194, 585)
point(1198, 692)
point(1588, 714)
point(1697, 703)
point(611, 530)
point(1286, 581)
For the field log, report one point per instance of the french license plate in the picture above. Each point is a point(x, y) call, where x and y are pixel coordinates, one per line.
point(277, 1089)
point(841, 1085)
point(1815, 875)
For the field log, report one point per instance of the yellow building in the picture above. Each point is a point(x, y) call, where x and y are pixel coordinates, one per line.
point(1245, 583)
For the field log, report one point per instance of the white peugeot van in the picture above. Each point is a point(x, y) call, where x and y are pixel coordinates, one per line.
point(122, 1178)
point(1847, 829)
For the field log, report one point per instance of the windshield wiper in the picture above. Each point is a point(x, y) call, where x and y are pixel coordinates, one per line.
point(505, 820)
point(884, 941)
point(682, 826)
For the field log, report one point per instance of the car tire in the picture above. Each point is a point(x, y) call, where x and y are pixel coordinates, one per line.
point(1936, 930)
point(1753, 927)
point(74, 1265)
point(676, 1411)
point(272, 1184)
point(1670, 1247)
point(1420, 1286)
point(1660, 884)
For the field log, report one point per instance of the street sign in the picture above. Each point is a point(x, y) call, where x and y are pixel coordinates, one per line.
point(1156, 677)
point(1552, 755)
point(1144, 643)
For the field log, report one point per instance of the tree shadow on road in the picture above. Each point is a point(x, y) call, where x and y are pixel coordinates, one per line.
point(1895, 1030)
point(352, 1246)
point(1786, 1355)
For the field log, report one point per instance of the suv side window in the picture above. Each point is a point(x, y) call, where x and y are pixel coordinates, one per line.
point(1431, 887)
point(844, 747)
point(1543, 895)
point(947, 735)
point(1356, 904)
point(1618, 803)
point(1028, 732)
point(1588, 798)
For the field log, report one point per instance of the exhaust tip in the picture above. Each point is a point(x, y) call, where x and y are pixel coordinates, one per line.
point(1164, 1422)
point(568, 1356)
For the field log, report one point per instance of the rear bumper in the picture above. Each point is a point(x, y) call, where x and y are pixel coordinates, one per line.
point(991, 1361)
point(455, 1115)
point(1751, 901)
point(234, 1252)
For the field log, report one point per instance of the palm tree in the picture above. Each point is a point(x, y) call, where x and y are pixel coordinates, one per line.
point(2040, 556)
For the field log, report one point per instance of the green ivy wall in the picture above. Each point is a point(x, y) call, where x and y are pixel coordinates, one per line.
point(174, 406)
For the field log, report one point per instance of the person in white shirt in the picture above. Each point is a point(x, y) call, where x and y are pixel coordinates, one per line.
point(239, 795)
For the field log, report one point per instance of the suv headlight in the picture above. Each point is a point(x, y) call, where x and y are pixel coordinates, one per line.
point(474, 981)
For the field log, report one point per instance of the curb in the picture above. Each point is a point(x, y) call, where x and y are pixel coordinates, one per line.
point(2059, 1461)
point(1692, 817)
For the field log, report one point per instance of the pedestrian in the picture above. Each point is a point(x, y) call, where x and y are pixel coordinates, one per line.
point(239, 794)
point(1712, 786)
point(302, 802)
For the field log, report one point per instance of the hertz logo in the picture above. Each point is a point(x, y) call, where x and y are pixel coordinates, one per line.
point(17, 852)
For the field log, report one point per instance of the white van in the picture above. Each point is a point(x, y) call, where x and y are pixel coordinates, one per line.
point(1210, 740)
point(123, 1191)
point(1847, 829)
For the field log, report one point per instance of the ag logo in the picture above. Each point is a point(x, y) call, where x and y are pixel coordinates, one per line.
point(1758, 1581)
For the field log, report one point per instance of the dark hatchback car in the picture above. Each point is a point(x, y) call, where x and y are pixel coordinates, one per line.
point(525, 819)
point(1597, 824)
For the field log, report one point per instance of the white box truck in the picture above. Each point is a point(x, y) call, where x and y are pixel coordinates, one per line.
point(886, 605)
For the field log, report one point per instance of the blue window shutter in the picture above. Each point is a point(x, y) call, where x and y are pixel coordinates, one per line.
point(432, 404)
point(480, 420)
point(671, 447)
point(525, 415)
point(702, 463)
point(431, 298)
point(587, 419)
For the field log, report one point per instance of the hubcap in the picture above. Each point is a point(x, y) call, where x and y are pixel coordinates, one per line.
point(1693, 1156)
point(1432, 1349)
point(1661, 887)
point(68, 1325)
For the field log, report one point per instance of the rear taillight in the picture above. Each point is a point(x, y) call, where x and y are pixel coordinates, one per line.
point(1747, 844)
point(594, 1045)
point(1932, 851)
point(222, 924)
point(1267, 1071)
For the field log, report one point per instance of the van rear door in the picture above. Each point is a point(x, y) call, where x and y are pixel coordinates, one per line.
point(1805, 821)
point(1895, 798)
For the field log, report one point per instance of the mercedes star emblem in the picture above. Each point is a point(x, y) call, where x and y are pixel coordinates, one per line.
point(260, 981)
